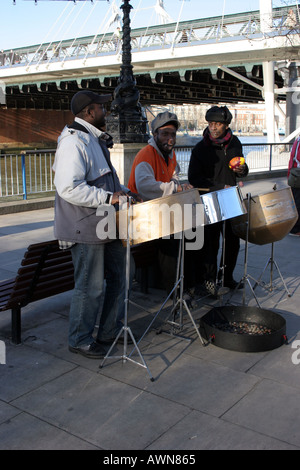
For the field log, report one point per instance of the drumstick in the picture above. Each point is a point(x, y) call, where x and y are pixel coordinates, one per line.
point(203, 189)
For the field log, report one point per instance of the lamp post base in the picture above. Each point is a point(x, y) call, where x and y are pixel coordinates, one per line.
point(127, 130)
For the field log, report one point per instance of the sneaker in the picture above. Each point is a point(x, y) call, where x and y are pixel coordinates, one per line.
point(212, 289)
point(207, 288)
point(294, 234)
point(92, 351)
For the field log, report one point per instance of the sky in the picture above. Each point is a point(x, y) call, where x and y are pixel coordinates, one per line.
point(26, 23)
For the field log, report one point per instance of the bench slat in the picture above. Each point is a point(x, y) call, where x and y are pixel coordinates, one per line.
point(43, 291)
point(27, 272)
point(45, 271)
point(32, 260)
point(24, 284)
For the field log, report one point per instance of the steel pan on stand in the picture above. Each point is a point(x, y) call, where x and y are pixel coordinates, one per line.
point(220, 206)
point(126, 329)
point(162, 217)
point(223, 205)
point(158, 218)
point(272, 216)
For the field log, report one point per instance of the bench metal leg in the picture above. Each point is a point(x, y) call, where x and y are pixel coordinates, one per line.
point(16, 325)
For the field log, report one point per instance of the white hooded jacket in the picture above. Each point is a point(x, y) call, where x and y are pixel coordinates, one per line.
point(84, 179)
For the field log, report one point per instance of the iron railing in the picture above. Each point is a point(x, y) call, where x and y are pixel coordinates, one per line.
point(29, 173)
point(260, 157)
point(26, 173)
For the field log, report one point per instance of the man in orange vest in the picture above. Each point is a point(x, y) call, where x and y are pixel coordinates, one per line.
point(155, 170)
point(154, 174)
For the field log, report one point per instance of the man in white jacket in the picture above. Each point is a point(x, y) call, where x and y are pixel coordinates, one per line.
point(87, 188)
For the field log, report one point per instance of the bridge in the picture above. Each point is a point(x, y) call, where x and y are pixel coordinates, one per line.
point(208, 60)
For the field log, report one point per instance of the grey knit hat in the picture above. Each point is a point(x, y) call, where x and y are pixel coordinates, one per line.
point(162, 119)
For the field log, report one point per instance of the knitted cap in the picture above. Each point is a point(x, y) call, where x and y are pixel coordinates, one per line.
point(219, 114)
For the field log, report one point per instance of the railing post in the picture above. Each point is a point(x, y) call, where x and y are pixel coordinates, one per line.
point(271, 148)
point(23, 153)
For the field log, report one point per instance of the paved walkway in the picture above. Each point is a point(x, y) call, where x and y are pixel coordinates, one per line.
point(201, 398)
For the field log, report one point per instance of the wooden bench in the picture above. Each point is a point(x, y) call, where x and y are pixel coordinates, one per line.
point(45, 271)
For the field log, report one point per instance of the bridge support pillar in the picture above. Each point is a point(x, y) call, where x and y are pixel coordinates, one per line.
point(269, 83)
point(122, 156)
point(266, 26)
point(292, 81)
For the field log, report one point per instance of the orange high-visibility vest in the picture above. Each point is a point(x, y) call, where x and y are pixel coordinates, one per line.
point(162, 171)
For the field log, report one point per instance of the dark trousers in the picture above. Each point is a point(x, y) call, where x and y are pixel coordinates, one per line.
point(202, 265)
point(167, 259)
point(296, 194)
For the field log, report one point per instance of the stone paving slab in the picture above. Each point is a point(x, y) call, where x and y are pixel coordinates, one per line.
point(203, 397)
point(272, 409)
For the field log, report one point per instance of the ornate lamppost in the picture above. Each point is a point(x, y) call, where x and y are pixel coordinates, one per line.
point(127, 122)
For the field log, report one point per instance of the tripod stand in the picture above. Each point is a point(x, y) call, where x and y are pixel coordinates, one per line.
point(246, 276)
point(180, 302)
point(272, 263)
point(126, 329)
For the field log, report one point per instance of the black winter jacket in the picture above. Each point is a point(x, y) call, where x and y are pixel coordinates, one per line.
point(209, 164)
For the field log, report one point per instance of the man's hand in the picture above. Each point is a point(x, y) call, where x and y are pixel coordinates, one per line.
point(240, 169)
point(117, 195)
point(136, 197)
point(184, 187)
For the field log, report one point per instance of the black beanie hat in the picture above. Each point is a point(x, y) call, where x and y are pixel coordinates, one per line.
point(219, 114)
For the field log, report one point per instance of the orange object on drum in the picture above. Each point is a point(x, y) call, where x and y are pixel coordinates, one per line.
point(236, 162)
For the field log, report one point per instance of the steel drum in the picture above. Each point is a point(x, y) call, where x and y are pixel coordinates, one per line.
point(272, 216)
point(159, 217)
point(223, 205)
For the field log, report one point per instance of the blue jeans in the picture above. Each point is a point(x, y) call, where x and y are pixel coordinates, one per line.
point(91, 264)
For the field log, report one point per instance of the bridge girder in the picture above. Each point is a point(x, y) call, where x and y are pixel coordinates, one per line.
point(168, 69)
point(172, 87)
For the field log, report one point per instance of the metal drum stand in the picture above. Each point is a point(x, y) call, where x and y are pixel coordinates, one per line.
point(272, 263)
point(246, 276)
point(180, 302)
point(126, 329)
point(273, 215)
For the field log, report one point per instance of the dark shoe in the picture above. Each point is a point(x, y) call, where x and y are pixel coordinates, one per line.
point(234, 284)
point(120, 340)
point(92, 351)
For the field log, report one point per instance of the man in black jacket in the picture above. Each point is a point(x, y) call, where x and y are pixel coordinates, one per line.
point(209, 168)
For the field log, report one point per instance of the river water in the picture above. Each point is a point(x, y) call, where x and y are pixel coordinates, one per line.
point(252, 145)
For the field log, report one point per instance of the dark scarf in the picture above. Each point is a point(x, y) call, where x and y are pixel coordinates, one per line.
point(222, 141)
point(104, 137)
point(105, 141)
